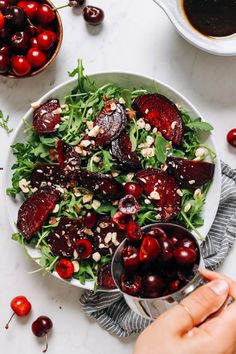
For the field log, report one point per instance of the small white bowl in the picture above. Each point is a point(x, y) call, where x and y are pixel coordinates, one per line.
point(224, 46)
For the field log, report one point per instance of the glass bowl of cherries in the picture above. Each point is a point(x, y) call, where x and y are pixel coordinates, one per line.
point(30, 37)
point(157, 268)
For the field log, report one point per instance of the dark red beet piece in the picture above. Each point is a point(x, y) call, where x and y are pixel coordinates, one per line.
point(68, 159)
point(129, 205)
point(121, 149)
point(63, 238)
point(107, 236)
point(48, 175)
point(100, 184)
point(44, 119)
point(34, 211)
point(162, 114)
point(121, 220)
point(111, 122)
point(105, 279)
point(190, 173)
point(163, 192)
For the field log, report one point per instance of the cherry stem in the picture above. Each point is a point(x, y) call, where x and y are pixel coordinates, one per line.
point(7, 325)
point(60, 7)
point(46, 343)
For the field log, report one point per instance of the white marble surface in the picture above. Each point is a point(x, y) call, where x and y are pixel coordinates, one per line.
point(136, 36)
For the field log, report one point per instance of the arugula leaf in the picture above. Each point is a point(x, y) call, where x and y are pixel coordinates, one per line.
point(160, 148)
point(4, 123)
point(198, 125)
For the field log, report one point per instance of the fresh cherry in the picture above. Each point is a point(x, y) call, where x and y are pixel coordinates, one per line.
point(173, 239)
point(45, 41)
point(4, 4)
point(20, 65)
point(133, 188)
point(33, 42)
point(20, 41)
point(93, 15)
point(45, 14)
point(84, 248)
point(174, 285)
point(20, 306)
point(129, 205)
point(166, 250)
point(32, 29)
point(2, 21)
point(152, 285)
point(158, 233)
point(4, 63)
point(90, 219)
point(30, 8)
point(149, 250)
point(52, 34)
point(131, 284)
point(130, 256)
point(231, 137)
point(65, 268)
point(134, 231)
point(15, 17)
point(36, 57)
point(5, 35)
point(40, 328)
point(184, 255)
point(5, 50)
point(76, 3)
point(121, 220)
point(188, 243)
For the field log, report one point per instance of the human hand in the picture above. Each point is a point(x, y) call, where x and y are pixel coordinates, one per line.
point(201, 324)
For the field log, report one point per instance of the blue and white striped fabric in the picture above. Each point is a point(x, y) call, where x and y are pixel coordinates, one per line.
point(111, 311)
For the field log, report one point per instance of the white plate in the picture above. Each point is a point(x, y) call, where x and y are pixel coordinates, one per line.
point(125, 80)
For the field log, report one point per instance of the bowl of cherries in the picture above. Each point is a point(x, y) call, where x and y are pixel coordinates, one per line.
point(157, 267)
point(30, 37)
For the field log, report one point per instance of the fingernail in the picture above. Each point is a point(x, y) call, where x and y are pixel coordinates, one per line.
point(219, 286)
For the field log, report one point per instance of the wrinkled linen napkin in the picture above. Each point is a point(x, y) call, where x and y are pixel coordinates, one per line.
point(110, 309)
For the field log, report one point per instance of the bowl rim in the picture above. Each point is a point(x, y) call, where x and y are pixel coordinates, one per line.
point(55, 53)
point(74, 80)
point(187, 35)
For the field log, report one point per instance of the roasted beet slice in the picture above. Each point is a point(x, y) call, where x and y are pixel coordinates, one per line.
point(162, 114)
point(48, 175)
point(34, 211)
point(121, 149)
point(45, 118)
point(100, 184)
point(107, 236)
point(105, 279)
point(112, 120)
point(163, 191)
point(63, 238)
point(190, 173)
point(68, 159)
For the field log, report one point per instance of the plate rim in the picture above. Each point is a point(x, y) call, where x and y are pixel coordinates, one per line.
point(89, 284)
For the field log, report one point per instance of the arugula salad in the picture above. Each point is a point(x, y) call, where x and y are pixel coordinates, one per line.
point(100, 165)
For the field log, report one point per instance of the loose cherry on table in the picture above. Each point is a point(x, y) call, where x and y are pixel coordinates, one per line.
point(93, 15)
point(65, 268)
point(20, 65)
point(40, 328)
point(76, 3)
point(20, 306)
point(231, 137)
point(36, 57)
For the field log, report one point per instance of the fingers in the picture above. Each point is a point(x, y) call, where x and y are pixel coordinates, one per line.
point(196, 307)
point(213, 275)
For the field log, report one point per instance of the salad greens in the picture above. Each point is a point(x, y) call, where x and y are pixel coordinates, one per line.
point(81, 106)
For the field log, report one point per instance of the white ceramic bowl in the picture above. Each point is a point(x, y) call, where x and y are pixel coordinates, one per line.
point(224, 46)
point(125, 80)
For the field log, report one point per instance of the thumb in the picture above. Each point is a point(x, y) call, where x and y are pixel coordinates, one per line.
point(197, 307)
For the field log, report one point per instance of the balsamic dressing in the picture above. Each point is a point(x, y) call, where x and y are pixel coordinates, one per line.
point(216, 18)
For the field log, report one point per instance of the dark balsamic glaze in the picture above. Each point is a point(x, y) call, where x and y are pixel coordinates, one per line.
point(215, 18)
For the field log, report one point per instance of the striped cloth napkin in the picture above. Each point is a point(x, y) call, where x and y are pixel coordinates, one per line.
point(110, 309)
